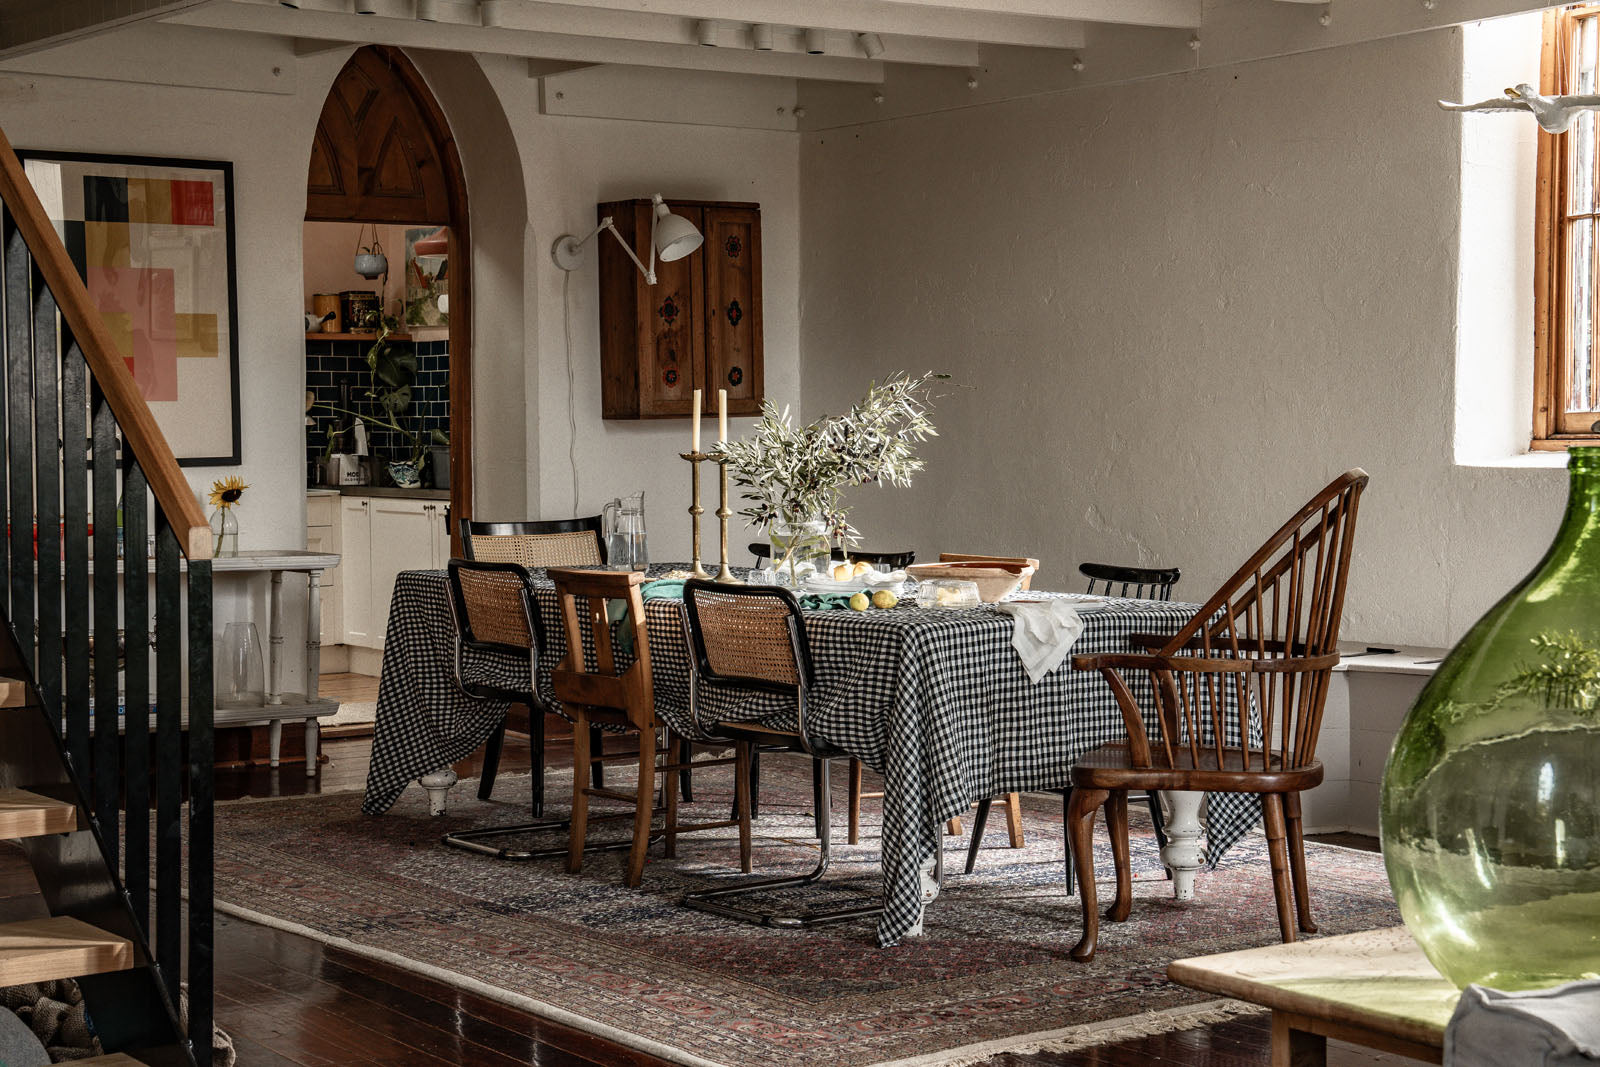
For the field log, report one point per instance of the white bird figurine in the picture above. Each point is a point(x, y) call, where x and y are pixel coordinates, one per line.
point(1553, 113)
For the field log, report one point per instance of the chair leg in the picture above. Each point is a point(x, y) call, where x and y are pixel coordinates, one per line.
point(979, 819)
point(1272, 808)
point(1014, 819)
point(643, 802)
point(491, 765)
point(1117, 829)
point(1157, 819)
point(1080, 822)
point(953, 827)
point(597, 745)
point(754, 807)
point(1297, 863)
point(1066, 836)
point(854, 803)
point(819, 771)
point(686, 776)
point(580, 796)
point(669, 789)
point(741, 801)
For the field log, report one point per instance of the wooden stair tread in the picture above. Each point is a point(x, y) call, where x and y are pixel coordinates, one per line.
point(38, 950)
point(24, 814)
point(13, 693)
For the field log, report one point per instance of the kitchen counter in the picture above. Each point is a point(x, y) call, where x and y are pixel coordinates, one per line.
point(381, 490)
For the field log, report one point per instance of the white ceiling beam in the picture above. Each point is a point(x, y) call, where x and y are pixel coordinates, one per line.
point(273, 18)
point(33, 27)
point(1181, 14)
point(866, 16)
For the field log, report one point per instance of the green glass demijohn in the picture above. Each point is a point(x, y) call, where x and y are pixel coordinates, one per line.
point(1491, 797)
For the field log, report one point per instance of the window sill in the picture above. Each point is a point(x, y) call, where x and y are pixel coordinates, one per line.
point(1525, 461)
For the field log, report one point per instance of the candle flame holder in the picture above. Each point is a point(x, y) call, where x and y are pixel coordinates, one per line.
point(695, 510)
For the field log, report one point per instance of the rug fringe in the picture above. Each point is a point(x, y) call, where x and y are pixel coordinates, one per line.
point(1087, 1035)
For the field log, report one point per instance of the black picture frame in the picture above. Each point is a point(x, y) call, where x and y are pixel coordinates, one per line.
point(216, 171)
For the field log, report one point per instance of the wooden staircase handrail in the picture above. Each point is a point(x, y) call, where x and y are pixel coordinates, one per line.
point(111, 374)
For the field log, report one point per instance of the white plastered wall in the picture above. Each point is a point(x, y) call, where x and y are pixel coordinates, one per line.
point(1174, 309)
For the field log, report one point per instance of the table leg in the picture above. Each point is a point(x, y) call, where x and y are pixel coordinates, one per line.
point(275, 642)
point(438, 784)
point(1184, 852)
point(1296, 1048)
point(312, 733)
point(274, 740)
point(313, 632)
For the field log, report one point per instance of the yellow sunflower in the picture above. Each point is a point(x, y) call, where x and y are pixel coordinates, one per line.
point(225, 492)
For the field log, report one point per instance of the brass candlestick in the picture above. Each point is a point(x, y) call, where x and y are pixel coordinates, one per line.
point(695, 510)
point(724, 513)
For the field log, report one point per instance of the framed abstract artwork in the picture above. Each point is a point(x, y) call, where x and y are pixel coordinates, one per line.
point(153, 240)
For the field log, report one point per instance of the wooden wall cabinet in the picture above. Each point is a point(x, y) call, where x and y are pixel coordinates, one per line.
point(698, 327)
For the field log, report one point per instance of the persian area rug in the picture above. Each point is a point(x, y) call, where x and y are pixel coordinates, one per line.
point(991, 973)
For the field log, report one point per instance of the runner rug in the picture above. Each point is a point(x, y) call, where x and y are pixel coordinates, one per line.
point(991, 973)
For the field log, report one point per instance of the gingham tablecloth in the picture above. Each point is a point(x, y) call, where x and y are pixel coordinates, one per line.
point(936, 701)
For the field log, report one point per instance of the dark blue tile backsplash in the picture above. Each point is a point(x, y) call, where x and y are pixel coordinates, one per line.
point(331, 364)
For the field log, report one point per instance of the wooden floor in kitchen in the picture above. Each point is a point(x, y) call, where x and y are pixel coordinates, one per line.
point(288, 1000)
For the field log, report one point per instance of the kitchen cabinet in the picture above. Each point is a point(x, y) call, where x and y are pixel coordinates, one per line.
point(382, 536)
point(698, 327)
point(322, 535)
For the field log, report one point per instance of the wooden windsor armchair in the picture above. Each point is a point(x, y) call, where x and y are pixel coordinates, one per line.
point(1236, 700)
point(752, 637)
point(532, 544)
point(622, 695)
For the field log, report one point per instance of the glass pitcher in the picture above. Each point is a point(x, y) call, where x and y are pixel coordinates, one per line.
point(626, 546)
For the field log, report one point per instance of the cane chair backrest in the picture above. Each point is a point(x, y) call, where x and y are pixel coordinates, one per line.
point(748, 635)
point(541, 543)
point(618, 679)
point(493, 605)
point(1264, 644)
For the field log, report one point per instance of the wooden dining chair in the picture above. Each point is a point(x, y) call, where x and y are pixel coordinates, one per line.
point(1011, 802)
point(1234, 704)
point(532, 544)
point(619, 694)
point(1135, 582)
point(752, 637)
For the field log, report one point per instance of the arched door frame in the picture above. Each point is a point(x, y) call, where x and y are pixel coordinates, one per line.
point(460, 279)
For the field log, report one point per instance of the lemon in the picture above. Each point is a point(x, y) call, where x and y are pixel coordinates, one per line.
point(860, 602)
point(884, 598)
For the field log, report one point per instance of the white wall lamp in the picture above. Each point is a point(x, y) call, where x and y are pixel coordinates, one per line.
point(816, 42)
point(761, 36)
point(671, 238)
point(871, 44)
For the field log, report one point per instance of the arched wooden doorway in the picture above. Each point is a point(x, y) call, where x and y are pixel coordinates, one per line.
point(384, 153)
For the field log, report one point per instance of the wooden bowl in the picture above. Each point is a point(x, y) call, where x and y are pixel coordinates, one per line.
point(995, 580)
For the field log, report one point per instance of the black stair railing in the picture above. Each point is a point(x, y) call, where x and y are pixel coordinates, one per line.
point(116, 638)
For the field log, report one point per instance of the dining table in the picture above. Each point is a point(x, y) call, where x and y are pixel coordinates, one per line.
point(934, 699)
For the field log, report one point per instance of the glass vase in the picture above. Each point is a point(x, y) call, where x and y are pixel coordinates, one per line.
point(224, 533)
point(1490, 813)
point(795, 544)
point(241, 682)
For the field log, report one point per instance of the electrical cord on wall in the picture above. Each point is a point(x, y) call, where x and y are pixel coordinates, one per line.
point(572, 399)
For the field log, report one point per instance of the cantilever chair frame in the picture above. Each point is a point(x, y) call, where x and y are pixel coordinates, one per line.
point(466, 638)
point(1248, 636)
point(702, 670)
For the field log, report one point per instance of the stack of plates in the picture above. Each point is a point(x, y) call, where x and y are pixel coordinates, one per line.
point(872, 581)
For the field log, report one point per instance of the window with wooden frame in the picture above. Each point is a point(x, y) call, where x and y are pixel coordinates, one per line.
point(1566, 389)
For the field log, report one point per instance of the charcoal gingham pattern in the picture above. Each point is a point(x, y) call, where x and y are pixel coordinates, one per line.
point(938, 702)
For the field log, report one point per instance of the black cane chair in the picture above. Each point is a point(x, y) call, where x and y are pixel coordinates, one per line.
point(751, 637)
point(535, 543)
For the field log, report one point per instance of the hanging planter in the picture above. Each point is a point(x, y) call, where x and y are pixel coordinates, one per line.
point(371, 262)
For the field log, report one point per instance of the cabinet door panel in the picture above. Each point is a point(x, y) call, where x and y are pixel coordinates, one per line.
point(671, 347)
point(355, 570)
point(402, 540)
point(732, 268)
point(326, 539)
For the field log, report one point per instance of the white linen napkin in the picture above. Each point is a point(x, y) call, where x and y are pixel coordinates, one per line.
point(1044, 633)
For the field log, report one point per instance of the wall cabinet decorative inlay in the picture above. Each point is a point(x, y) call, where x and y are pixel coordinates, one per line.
point(698, 327)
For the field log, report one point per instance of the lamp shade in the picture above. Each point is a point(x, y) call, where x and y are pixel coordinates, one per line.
point(676, 236)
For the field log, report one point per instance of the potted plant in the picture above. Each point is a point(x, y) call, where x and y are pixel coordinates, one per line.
point(795, 476)
point(394, 372)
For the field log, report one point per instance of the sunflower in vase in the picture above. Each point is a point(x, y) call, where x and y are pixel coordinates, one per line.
point(225, 496)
